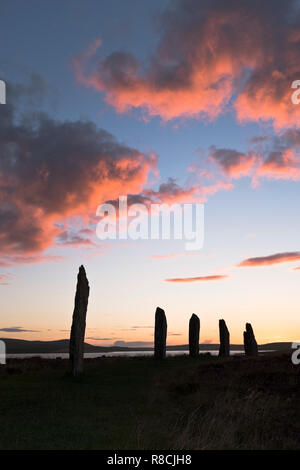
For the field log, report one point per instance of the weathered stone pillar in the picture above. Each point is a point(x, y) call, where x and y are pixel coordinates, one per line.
point(78, 323)
point(160, 334)
point(194, 332)
point(250, 343)
point(246, 343)
point(224, 350)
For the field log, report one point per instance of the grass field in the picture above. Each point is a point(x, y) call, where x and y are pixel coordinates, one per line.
point(138, 403)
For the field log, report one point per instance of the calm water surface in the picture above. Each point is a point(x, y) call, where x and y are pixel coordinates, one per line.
point(109, 354)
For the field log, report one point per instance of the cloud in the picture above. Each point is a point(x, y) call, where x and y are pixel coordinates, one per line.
point(170, 192)
point(133, 344)
point(33, 259)
point(176, 255)
point(69, 238)
point(137, 327)
point(198, 278)
point(54, 173)
point(18, 329)
point(233, 163)
point(271, 259)
point(273, 158)
point(282, 164)
point(100, 339)
point(134, 328)
point(210, 55)
point(4, 279)
point(51, 171)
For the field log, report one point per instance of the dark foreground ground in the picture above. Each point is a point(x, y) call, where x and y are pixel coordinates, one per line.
point(137, 403)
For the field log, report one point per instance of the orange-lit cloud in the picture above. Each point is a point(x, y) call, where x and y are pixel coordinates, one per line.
point(198, 278)
point(271, 259)
point(51, 171)
point(17, 329)
point(171, 193)
point(28, 259)
point(276, 158)
point(80, 238)
point(176, 255)
point(4, 279)
point(267, 97)
point(209, 53)
point(283, 164)
point(234, 164)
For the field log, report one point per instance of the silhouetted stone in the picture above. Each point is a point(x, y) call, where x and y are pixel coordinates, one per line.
point(224, 350)
point(160, 334)
point(194, 331)
point(78, 323)
point(246, 343)
point(250, 343)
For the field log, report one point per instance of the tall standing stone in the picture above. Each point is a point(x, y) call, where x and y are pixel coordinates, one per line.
point(224, 350)
point(246, 343)
point(78, 323)
point(194, 332)
point(160, 334)
point(250, 343)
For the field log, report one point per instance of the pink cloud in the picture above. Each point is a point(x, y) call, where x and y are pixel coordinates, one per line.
point(52, 171)
point(28, 259)
point(208, 53)
point(4, 279)
point(274, 158)
point(271, 259)
point(198, 278)
point(283, 164)
point(176, 255)
point(232, 163)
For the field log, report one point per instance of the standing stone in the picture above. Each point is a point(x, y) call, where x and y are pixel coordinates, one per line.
point(224, 350)
point(160, 334)
point(78, 323)
point(194, 331)
point(246, 343)
point(250, 343)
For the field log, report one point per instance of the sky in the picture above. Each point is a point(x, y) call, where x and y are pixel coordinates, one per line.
point(166, 102)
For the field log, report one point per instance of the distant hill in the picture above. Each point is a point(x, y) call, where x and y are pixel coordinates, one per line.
point(22, 346)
